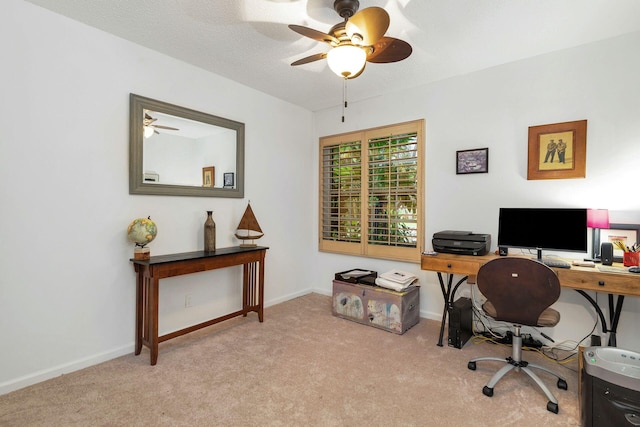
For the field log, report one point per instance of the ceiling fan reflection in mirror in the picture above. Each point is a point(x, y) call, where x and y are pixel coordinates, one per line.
point(355, 41)
point(150, 127)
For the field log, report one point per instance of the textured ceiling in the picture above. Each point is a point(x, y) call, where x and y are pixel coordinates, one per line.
point(248, 40)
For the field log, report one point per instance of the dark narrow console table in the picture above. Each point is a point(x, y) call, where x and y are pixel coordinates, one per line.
point(150, 271)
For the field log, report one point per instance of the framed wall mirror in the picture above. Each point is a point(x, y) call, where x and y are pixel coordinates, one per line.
point(176, 151)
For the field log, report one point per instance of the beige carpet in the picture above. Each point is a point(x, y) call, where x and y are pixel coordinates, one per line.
point(302, 366)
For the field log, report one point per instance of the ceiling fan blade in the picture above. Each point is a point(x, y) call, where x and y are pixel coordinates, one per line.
point(311, 58)
point(370, 24)
point(389, 49)
point(164, 127)
point(149, 119)
point(314, 34)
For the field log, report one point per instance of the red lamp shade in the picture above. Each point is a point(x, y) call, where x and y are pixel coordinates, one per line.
point(598, 218)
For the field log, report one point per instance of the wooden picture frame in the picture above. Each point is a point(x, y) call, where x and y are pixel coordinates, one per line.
point(557, 151)
point(208, 176)
point(627, 233)
point(472, 161)
point(228, 179)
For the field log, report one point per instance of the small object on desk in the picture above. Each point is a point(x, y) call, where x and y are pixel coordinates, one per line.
point(631, 259)
point(635, 269)
point(430, 253)
point(554, 263)
point(584, 263)
point(612, 269)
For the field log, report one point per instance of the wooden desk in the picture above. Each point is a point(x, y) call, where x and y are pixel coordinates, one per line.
point(582, 279)
point(149, 272)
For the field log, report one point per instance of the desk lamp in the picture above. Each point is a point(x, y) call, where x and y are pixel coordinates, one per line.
point(597, 219)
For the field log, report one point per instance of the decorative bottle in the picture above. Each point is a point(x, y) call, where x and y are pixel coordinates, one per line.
point(209, 233)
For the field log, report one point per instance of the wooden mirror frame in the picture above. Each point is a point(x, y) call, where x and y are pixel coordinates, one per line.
point(137, 105)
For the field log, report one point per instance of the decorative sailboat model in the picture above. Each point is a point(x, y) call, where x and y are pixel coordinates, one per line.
point(248, 230)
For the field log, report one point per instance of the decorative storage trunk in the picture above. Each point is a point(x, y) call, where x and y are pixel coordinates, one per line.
point(375, 306)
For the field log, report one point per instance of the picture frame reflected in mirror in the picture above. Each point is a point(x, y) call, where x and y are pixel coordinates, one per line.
point(208, 176)
point(228, 180)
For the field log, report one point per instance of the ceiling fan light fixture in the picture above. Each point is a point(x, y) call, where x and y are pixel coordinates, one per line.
point(346, 60)
point(148, 131)
point(357, 39)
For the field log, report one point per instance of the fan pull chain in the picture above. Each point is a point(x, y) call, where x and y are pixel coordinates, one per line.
point(344, 97)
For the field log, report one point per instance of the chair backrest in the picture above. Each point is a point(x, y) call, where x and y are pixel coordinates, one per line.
point(520, 289)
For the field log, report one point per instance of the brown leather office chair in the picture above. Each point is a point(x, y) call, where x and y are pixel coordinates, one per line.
point(519, 291)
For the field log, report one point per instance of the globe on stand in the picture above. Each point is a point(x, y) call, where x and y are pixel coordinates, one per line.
point(142, 231)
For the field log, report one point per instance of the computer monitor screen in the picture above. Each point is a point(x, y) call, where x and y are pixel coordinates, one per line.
point(543, 228)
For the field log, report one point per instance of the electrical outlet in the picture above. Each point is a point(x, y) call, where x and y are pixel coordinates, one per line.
point(187, 301)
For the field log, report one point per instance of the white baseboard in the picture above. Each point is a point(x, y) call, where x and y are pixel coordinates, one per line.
point(47, 374)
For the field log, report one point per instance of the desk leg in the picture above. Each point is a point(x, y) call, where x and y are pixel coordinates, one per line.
point(614, 318)
point(445, 295)
point(448, 295)
point(614, 315)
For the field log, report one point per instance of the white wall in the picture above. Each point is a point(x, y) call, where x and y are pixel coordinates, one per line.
point(494, 108)
point(67, 288)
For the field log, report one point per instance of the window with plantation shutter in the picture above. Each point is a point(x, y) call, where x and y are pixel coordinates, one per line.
point(371, 192)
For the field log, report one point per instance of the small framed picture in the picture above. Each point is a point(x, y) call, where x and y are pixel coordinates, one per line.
point(557, 151)
point(626, 234)
point(208, 176)
point(472, 161)
point(228, 180)
point(151, 177)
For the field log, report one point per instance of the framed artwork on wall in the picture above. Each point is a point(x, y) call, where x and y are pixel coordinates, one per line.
point(557, 151)
point(472, 161)
point(208, 176)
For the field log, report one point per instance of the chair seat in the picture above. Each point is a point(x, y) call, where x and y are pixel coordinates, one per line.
point(548, 318)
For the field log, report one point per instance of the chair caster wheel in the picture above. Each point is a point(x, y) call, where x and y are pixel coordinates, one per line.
point(488, 391)
point(562, 384)
point(552, 407)
point(472, 366)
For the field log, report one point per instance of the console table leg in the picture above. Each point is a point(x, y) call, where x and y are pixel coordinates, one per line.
point(139, 308)
point(245, 290)
point(152, 318)
point(261, 289)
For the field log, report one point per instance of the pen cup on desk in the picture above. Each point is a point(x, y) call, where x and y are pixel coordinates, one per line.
point(631, 258)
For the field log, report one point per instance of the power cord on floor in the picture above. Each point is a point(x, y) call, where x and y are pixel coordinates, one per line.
point(483, 331)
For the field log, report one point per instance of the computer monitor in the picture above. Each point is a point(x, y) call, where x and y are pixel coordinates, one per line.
point(558, 229)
